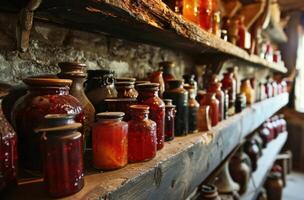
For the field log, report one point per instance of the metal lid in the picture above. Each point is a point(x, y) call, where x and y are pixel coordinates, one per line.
point(110, 115)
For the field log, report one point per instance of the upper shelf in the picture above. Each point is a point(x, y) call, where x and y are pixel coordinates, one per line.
point(146, 21)
point(177, 169)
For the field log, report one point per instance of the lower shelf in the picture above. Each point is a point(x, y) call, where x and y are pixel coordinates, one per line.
point(264, 165)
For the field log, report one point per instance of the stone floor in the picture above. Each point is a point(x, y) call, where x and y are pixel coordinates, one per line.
point(295, 187)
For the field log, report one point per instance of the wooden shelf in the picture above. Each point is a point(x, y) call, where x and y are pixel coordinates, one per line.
point(145, 21)
point(177, 169)
point(264, 165)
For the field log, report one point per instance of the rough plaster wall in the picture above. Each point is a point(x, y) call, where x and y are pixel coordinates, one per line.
point(51, 44)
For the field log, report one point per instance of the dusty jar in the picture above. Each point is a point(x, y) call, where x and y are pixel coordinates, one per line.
point(193, 107)
point(179, 97)
point(110, 141)
point(148, 95)
point(169, 119)
point(274, 186)
point(44, 96)
point(62, 149)
point(210, 100)
point(142, 144)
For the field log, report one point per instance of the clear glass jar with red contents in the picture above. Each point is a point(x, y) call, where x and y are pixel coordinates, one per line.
point(62, 150)
point(142, 144)
point(148, 95)
point(110, 141)
point(229, 84)
point(169, 119)
point(210, 100)
point(215, 87)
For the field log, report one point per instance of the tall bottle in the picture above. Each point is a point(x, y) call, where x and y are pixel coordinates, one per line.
point(210, 100)
point(169, 119)
point(148, 95)
point(229, 84)
point(193, 107)
point(179, 97)
point(215, 87)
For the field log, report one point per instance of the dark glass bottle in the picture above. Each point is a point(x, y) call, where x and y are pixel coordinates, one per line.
point(8, 149)
point(62, 149)
point(229, 84)
point(193, 107)
point(179, 97)
point(142, 144)
point(169, 119)
point(45, 96)
point(100, 86)
point(110, 141)
point(240, 102)
point(148, 95)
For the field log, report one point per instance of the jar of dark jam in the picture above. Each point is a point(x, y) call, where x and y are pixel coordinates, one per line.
point(169, 119)
point(142, 140)
point(148, 95)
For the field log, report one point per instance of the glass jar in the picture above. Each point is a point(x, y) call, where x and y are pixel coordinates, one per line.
point(215, 87)
point(240, 102)
point(247, 90)
point(8, 149)
point(62, 150)
point(76, 72)
point(126, 90)
point(148, 95)
point(229, 84)
point(169, 119)
point(110, 141)
point(120, 105)
point(210, 100)
point(142, 142)
point(203, 118)
point(44, 96)
point(193, 107)
point(274, 186)
point(179, 97)
point(190, 10)
point(205, 14)
point(100, 86)
point(157, 77)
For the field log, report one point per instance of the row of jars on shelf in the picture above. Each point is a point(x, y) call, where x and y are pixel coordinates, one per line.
point(48, 97)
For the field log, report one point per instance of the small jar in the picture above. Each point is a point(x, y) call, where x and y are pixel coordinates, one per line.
point(169, 119)
point(179, 97)
point(120, 105)
point(142, 140)
point(203, 118)
point(229, 84)
point(110, 141)
point(247, 90)
point(215, 87)
point(274, 186)
point(240, 102)
point(100, 86)
point(148, 95)
point(208, 192)
point(126, 89)
point(210, 100)
point(62, 150)
point(193, 107)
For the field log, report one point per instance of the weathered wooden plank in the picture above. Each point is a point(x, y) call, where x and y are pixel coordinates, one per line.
point(264, 165)
point(177, 169)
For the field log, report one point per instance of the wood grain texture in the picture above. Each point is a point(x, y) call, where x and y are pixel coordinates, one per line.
point(177, 169)
point(264, 166)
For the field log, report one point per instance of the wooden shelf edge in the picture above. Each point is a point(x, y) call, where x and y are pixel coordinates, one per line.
point(264, 166)
point(178, 168)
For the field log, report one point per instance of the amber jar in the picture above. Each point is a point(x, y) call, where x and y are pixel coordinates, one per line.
point(76, 72)
point(229, 84)
point(193, 107)
point(210, 100)
point(142, 142)
point(126, 90)
point(44, 96)
point(179, 97)
point(100, 86)
point(62, 149)
point(248, 91)
point(8, 149)
point(274, 186)
point(215, 87)
point(239, 170)
point(120, 105)
point(205, 14)
point(110, 141)
point(190, 10)
point(203, 118)
point(148, 95)
point(169, 119)
point(157, 77)
point(252, 150)
point(208, 192)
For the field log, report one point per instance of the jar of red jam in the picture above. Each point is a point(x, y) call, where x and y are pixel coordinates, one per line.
point(169, 119)
point(215, 87)
point(44, 96)
point(8, 149)
point(229, 84)
point(62, 150)
point(148, 95)
point(110, 141)
point(210, 100)
point(125, 88)
point(142, 143)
